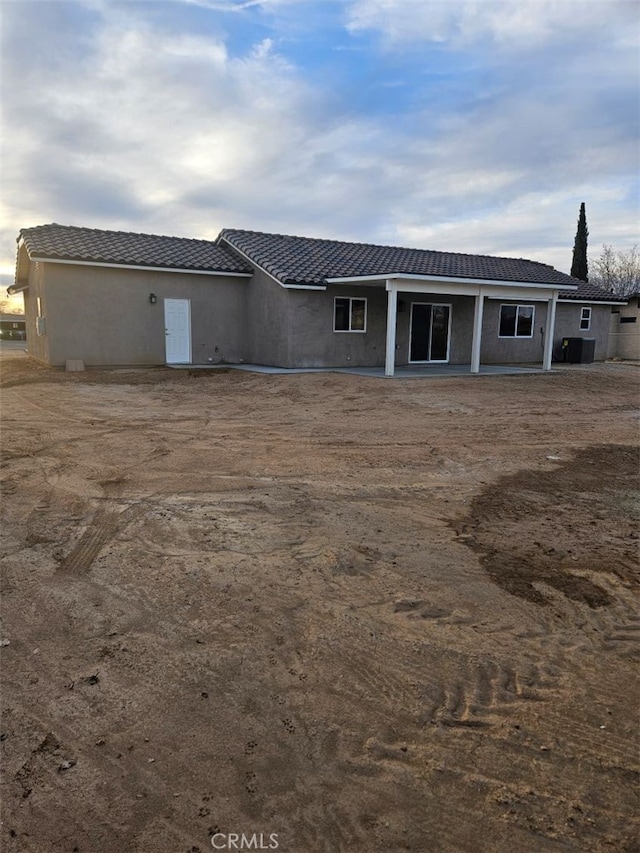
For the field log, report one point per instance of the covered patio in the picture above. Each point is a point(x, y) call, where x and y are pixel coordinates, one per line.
point(480, 290)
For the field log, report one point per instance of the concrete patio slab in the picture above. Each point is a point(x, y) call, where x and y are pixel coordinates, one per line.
point(414, 371)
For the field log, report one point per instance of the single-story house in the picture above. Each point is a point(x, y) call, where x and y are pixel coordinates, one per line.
point(13, 327)
point(624, 334)
point(118, 298)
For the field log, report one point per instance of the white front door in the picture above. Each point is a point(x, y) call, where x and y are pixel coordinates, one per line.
point(177, 330)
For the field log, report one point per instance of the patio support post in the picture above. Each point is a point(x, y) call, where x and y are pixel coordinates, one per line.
point(392, 306)
point(476, 342)
point(550, 331)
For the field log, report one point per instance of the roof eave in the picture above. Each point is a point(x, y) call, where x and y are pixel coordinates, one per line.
point(448, 280)
point(593, 301)
point(109, 265)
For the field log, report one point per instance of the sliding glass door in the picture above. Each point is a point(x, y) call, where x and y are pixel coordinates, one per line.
point(430, 332)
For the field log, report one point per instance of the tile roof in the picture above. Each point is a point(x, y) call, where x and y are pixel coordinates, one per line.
point(309, 261)
point(591, 293)
point(69, 243)
point(291, 260)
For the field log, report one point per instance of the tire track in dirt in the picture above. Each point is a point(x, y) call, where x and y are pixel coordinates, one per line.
point(481, 694)
point(626, 634)
point(443, 687)
point(592, 742)
point(462, 687)
point(546, 798)
point(103, 527)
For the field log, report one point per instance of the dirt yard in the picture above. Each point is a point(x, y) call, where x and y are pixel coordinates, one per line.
point(328, 612)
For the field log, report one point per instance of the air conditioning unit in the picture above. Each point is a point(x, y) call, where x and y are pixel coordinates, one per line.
point(578, 350)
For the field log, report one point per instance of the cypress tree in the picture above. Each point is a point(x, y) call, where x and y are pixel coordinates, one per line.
point(579, 267)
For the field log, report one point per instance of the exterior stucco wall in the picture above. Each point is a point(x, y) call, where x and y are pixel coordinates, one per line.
point(37, 345)
point(568, 326)
point(267, 321)
point(315, 344)
point(497, 350)
point(624, 337)
point(103, 316)
point(313, 340)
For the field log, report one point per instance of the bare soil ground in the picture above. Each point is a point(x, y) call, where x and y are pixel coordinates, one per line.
point(364, 615)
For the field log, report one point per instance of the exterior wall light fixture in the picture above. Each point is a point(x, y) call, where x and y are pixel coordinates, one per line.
point(153, 298)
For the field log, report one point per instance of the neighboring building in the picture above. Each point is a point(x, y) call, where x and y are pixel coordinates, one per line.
point(116, 298)
point(13, 327)
point(624, 333)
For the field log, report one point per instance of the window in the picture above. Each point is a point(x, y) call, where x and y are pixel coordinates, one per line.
point(585, 319)
point(516, 321)
point(349, 314)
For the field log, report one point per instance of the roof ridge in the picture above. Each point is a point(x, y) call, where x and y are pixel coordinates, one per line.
point(117, 232)
point(382, 246)
point(129, 248)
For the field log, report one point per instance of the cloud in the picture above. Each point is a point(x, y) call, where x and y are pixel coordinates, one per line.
point(506, 229)
point(512, 24)
point(154, 130)
point(187, 117)
point(155, 114)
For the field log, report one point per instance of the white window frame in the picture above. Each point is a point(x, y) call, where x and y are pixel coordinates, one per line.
point(516, 335)
point(351, 299)
point(585, 317)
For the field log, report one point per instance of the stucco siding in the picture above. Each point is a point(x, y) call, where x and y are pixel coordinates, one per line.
point(103, 315)
point(314, 342)
point(37, 345)
point(497, 350)
point(568, 326)
point(624, 333)
point(267, 321)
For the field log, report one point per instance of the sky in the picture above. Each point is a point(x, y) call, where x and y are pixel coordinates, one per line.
point(468, 125)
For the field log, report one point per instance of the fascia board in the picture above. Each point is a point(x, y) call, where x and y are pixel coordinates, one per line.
point(138, 267)
point(534, 294)
point(472, 283)
point(22, 260)
point(489, 291)
point(303, 286)
point(589, 301)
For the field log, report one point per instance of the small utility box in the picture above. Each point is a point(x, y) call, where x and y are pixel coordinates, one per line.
point(578, 350)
